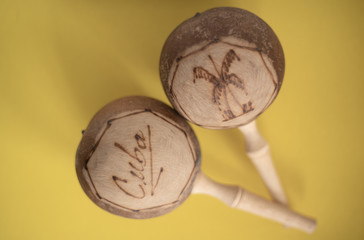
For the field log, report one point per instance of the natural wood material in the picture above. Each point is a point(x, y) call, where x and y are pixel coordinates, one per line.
point(138, 158)
point(242, 199)
point(258, 151)
point(221, 69)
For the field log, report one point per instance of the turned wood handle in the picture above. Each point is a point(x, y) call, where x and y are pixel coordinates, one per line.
point(239, 198)
point(258, 151)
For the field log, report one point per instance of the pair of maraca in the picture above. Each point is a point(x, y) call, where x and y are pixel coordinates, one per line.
point(138, 158)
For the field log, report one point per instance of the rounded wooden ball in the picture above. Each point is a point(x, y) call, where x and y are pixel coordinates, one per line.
point(222, 68)
point(137, 158)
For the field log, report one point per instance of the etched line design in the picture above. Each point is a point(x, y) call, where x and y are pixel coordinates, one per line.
point(117, 179)
point(260, 54)
point(247, 107)
point(93, 149)
point(139, 165)
point(275, 84)
point(189, 145)
point(222, 83)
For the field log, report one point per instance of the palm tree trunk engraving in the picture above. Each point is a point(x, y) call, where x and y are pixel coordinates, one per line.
point(223, 82)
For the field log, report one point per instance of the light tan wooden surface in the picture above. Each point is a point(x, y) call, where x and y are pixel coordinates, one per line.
point(138, 158)
point(237, 197)
point(258, 151)
point(222, 69)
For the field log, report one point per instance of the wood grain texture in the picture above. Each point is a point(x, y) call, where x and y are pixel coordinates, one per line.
point(222, 68)
point(124, 161)
point(139, 159)
point(258, 151)
point(237, 197)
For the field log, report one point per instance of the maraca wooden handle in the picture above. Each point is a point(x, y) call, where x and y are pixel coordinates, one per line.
point(258, 151)
point(239, 198)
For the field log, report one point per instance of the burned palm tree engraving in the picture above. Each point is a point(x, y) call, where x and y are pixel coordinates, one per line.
point(223, 83)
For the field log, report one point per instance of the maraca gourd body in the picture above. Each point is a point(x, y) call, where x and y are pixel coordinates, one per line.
point(139, 159)
point(221, 69)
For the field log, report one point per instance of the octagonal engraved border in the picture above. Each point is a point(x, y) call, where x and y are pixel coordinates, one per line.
point(215, 41)
point(108, 125)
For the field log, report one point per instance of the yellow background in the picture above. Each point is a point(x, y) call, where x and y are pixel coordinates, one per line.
point(61, 61)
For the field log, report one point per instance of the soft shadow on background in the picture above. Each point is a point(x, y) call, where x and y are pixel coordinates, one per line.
point(61, 61)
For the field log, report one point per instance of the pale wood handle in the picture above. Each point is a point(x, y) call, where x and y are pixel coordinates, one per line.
point(239, 198)
point(258, 151)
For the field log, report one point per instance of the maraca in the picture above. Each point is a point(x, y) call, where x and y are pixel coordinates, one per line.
point(139, 159)
point(221, 69)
